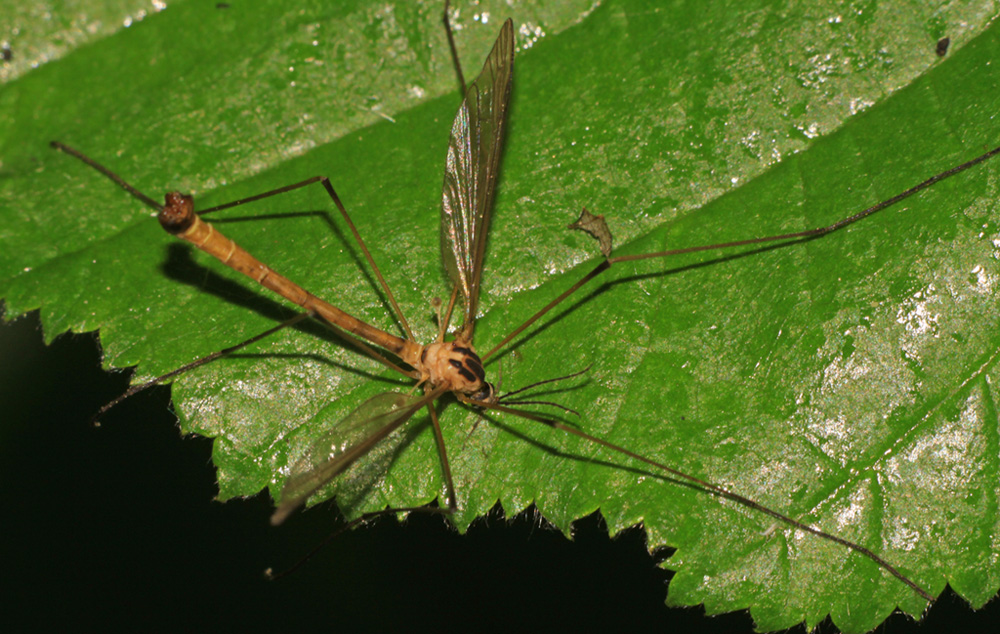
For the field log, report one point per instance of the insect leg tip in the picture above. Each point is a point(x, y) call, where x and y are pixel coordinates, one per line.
point(280, 515)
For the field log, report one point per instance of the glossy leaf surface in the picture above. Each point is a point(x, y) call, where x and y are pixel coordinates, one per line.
point(847, 381)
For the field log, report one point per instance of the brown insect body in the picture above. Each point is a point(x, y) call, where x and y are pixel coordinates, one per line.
point(456, 364)
point(453, 365)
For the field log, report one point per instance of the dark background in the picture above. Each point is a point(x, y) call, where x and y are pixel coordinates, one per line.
point(116, 528)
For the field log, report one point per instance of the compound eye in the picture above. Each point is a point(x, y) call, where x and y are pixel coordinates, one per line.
point(486, 394)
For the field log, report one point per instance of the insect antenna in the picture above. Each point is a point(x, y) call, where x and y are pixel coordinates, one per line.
point(537, 383)
point(505, 398)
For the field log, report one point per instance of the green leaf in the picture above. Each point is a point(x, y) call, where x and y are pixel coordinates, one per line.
point(846, 381)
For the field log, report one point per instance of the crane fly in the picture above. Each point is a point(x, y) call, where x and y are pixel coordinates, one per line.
point(448, 365)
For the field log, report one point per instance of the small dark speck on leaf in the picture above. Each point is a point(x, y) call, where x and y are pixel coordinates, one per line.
point(942, 46)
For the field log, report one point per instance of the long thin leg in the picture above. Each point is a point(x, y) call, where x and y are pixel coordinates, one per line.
point(745, 501)
point(451, 45)
point(365, 348)
point(449, 484)
point(358, 343)
point(443, 454)
point(267, 194)
point(118, 180)
point(343, 212)
point(799, 235)
point(270, 575)
point(196, 364)
point(121, 182)
point(444, 320)
point(820, 231)
point(368, 256)
point(726, 493)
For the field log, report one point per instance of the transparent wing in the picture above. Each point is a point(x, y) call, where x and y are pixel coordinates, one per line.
point(352, 437)
point(470, 174)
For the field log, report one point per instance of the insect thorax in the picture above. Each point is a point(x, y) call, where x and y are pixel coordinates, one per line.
point(456, 364)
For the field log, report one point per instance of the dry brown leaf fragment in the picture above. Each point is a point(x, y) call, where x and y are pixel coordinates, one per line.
point(596, 227)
